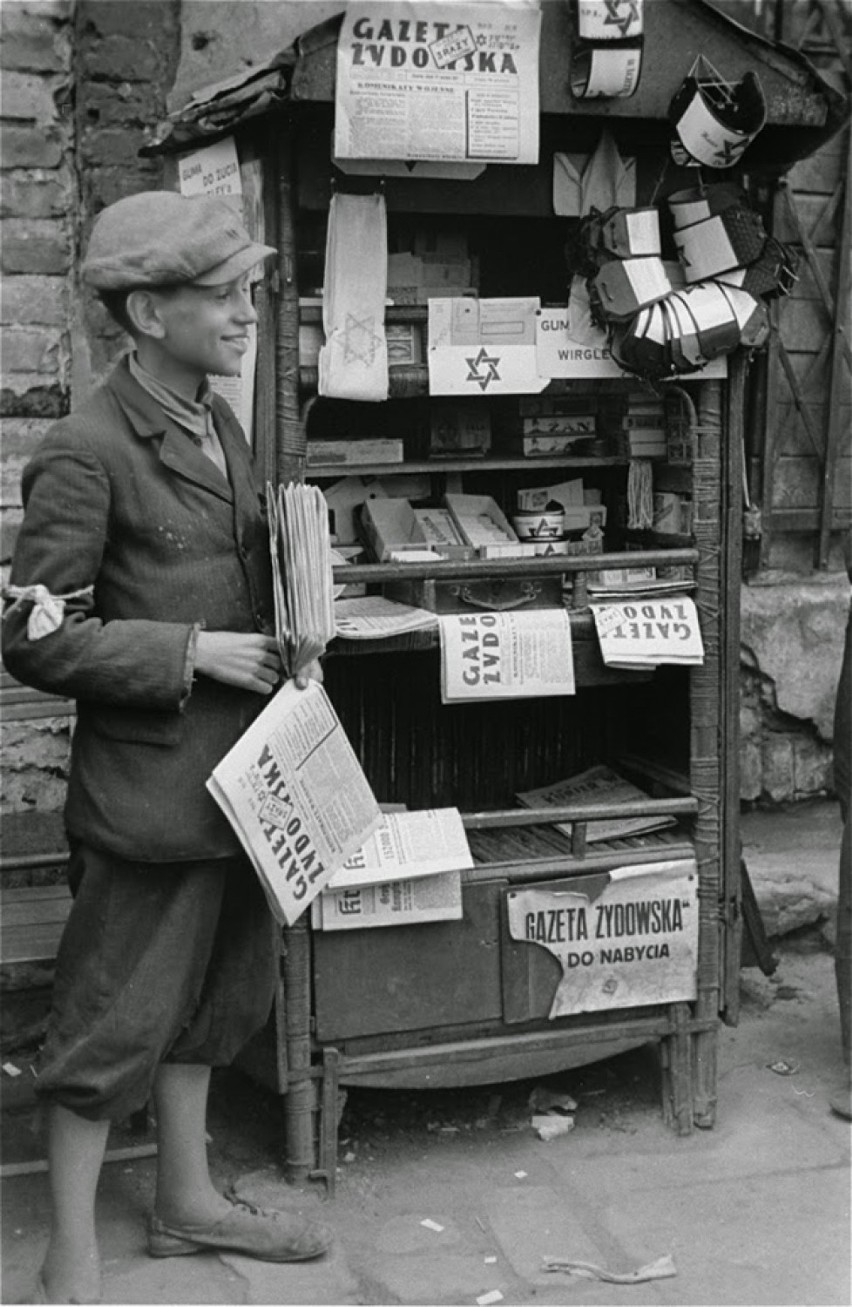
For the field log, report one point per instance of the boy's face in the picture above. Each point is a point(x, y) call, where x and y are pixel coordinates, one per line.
point(205, 329)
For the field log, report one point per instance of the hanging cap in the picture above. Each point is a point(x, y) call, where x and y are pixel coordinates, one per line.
point(161, 238)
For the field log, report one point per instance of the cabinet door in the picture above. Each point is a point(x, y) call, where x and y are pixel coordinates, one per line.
point(398, 978)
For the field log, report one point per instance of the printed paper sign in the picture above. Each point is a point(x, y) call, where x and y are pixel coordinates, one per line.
point(623, 938)
point(483, 347)
point(569, 344)
point(439, 81)
point(513, 655)
point(215, 170)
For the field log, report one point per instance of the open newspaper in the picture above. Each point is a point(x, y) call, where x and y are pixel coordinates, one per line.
point(506, 655)
point(410, 845)
point(294, 792)
point(646, 632)
point(373, 617)
point(301, 573)
point(597, 785)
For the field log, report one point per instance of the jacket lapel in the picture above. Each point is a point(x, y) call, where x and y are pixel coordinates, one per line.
point(177, 451)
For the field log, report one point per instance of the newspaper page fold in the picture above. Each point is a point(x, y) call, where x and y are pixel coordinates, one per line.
point(296, 796)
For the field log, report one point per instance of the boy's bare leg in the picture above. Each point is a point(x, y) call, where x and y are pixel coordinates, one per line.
point(185, 1191)
point(71, 1270)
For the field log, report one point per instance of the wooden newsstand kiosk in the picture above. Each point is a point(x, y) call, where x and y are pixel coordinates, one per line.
point(462, 1002)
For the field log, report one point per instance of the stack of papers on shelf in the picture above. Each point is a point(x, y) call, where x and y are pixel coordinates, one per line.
point(647, 632)
point(597, 785)
point(372, 617)
point(507, 655)
point(295, 794)
point(626, 581)
point(301, 573)
point(392, 903)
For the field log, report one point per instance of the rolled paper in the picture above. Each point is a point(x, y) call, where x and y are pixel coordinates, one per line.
point(609, 20)
point(728, 240)
point(632, 233)
point(606, 71)
point(691, 206)
point(625, 285)
point(715, 120)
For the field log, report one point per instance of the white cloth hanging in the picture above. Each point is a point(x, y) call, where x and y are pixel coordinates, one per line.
point(353, 362)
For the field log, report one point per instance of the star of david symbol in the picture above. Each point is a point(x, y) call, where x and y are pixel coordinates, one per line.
point(615, 18)
point(729, 153)
point(482, 358)
point(360, 339)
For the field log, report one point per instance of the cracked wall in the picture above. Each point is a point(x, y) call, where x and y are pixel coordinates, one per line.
point(791, 650)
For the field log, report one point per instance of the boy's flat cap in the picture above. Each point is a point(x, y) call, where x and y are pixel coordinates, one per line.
point(161, 238)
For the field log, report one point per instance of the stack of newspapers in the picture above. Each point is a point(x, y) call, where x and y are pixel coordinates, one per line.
point(292, 787)
point(301, 573)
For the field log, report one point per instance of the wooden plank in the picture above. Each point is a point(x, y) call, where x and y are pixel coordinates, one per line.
point(410, 977)
point(819, 173)
point(804, 521)
point(731, 546)
point(793, 441)
point(841, 366)
point(804, 323)
point(827, 257)
point(798, 481)
point(817, 216)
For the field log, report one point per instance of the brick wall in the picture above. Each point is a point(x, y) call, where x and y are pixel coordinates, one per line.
point(84, 84)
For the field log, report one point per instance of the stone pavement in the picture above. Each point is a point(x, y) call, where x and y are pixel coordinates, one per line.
point(753, 1211)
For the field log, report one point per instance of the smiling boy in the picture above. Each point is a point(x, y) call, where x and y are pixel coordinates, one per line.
point(141, 588)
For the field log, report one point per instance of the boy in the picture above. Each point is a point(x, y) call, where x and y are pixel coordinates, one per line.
point(141, 588)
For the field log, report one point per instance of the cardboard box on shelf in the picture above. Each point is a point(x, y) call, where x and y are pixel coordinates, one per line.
point(568, 424)
point(390, 526)
point(459, 430)
point(480, 520)
point(405, 344)
point(354, 452)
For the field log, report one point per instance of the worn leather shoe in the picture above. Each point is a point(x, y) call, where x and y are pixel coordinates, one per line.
point(252, 1231)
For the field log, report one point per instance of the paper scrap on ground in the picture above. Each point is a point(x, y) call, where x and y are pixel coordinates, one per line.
point(372, 617)
point(406, 845)
point(296, 796)
point(513, 655)
point(550, 1125)
point(485, 1299)
point(432, 1225)
point(662, 1269)
point(301, 573)
point(648, 632)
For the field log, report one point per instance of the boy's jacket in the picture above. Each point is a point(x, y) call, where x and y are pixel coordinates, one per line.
point(119, 498)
